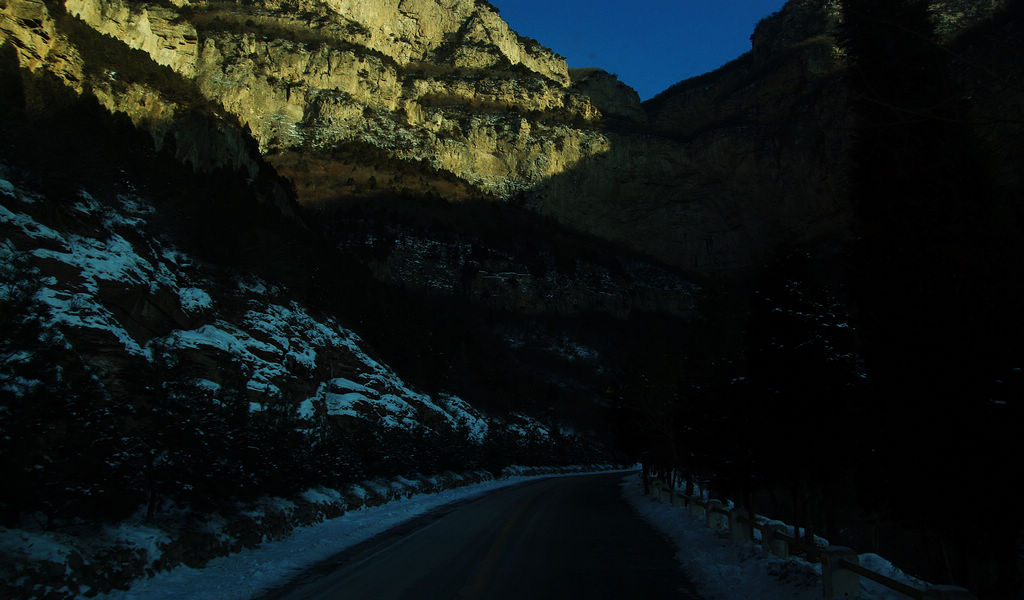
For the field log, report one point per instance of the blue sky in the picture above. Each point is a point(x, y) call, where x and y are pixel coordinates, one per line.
point(649, 44)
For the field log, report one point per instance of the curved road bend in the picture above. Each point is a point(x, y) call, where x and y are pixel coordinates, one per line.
point(564, 538)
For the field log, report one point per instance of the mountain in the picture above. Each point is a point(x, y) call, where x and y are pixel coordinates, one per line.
point(334, 227)
point(357, 100)
point(353, 101)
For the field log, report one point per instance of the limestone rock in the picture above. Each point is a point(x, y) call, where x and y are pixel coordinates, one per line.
point(353, 99)
point(29, 27)
point(152, 28)
point(950, 18)
point(612, 97)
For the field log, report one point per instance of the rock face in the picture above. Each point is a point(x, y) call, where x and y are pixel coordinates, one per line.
point(527, 285)
point(612, 97)
point(355, 99)
point(156, 30)
point(733, 166)
point(447, 84)
point(409, 105)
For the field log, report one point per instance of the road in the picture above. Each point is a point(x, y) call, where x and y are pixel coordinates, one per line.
point(565, 538)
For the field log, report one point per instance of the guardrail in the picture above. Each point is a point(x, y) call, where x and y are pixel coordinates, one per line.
point(841, 570)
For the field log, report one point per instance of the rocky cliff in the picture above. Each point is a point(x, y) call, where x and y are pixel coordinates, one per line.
point(445, 84)
point(454, 158)
point(174, 348)
point(401, 127)
point(359, 99)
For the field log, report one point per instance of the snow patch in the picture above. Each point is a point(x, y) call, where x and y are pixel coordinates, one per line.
point(206, 384)
point(194, 299)
point(725, 570)
point(29, 226)
point(82, 310)
point(33, 546)
point(113, 260)
point(340, 384)
point(527, 427)
point(882, 566)
point(139, 536)
point(231, 340)
point(253, 285)
point(462, 415)
point(718, 567)
point(321, 495)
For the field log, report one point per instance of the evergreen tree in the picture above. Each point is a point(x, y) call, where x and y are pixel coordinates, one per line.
point(937, 277)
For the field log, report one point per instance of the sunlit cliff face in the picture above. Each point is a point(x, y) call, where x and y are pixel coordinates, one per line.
point(354, 99)
point(351, 99)
point(444, 86)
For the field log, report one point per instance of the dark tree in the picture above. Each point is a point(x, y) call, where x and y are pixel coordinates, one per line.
point(59, 431)
point(938, 279)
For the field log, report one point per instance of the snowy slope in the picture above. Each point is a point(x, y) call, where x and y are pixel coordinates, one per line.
point(92, 279)
point(160, 387)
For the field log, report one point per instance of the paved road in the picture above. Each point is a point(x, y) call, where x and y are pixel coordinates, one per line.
point(565, 538)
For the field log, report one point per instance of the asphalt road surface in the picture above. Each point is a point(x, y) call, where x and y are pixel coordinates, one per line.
point(565, 538)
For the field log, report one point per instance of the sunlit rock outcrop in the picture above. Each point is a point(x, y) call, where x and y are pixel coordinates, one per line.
point(612, 97)
point(439, 97)
point(446, 84)
point(157, 30)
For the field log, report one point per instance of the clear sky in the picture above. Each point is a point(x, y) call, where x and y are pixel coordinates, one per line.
point(649, 44)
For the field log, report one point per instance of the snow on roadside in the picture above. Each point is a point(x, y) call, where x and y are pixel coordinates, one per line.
point(724, 570)
point(719, 568)
point(251, 572)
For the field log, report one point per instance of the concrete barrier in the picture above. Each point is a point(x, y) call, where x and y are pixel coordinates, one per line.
point(772, 542)
point(741, 525)
point(841, 571)
point(837, 581)
point(717, 517)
